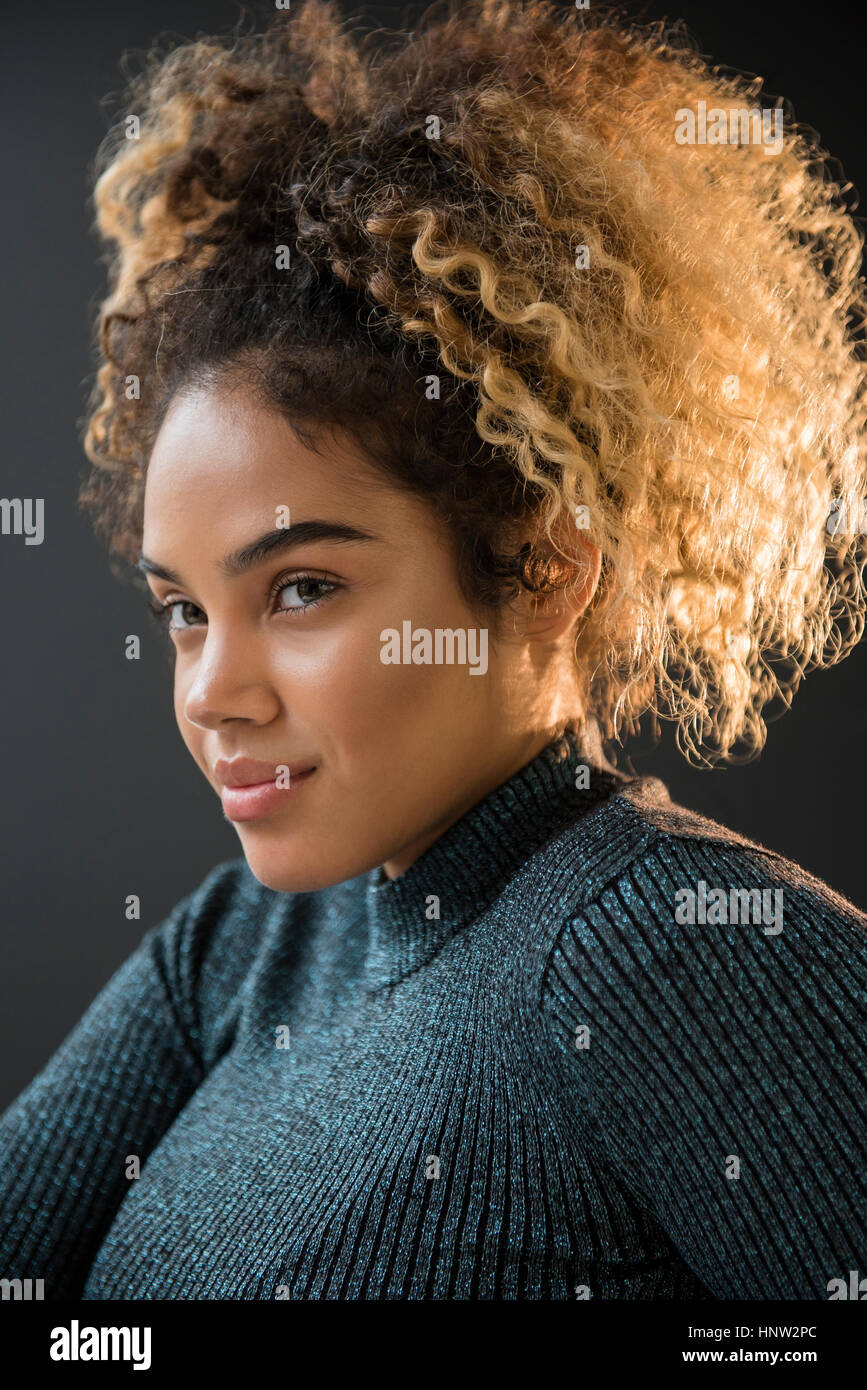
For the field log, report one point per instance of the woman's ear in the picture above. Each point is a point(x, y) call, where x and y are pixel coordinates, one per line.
point(546, 617)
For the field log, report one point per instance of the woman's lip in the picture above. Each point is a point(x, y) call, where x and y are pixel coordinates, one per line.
point(261, 798)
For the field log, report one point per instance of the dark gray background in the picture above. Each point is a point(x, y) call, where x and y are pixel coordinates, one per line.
point(99, 795)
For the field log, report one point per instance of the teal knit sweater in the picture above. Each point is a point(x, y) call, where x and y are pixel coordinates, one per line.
point(567, 1054)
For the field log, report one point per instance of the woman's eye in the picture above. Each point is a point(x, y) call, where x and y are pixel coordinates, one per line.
point(303, 584)
point(182, 614)
point(187, 609)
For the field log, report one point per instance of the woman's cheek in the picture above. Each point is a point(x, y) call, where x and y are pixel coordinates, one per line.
point(329, 663)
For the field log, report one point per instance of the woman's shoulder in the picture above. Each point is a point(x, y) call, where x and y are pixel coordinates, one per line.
point(693, 847)
point(210, 942)
point(220, 919)
point(643, 874)
point(680, 942)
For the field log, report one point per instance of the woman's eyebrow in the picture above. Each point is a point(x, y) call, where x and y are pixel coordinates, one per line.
point(278, 540)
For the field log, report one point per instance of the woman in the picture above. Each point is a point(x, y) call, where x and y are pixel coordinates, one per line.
point(462, 402)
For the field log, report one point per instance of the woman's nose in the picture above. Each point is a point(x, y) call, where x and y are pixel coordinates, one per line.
point(231, 681)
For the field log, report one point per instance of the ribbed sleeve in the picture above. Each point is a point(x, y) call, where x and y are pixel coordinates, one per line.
point(716, 1049)
point(112, 1089)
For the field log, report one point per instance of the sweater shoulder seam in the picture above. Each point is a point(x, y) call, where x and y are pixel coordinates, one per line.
point(717, 840)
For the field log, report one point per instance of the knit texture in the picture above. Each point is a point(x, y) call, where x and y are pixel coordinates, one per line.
point(510, 1073)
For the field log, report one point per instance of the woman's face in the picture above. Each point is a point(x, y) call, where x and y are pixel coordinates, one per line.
point(288, 671)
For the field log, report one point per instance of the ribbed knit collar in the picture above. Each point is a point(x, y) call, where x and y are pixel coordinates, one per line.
point(476, 856)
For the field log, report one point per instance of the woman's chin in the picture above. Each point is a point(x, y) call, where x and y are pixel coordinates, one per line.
point(291, 871)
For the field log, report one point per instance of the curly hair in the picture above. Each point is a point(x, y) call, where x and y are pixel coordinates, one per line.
point(479, 248)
